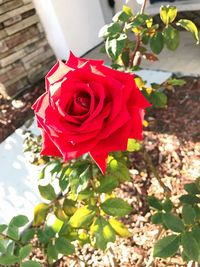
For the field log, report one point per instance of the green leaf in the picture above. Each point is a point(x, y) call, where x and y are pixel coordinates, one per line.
point(119, 170)
point(190, 246)
point(47, 192)
point(44, 235)
point(52, 252)
point(189, 199)
point(3, 227)
point(167, 205)
point(2, 246)
point(192, 188)
point(64, 246)
point(196, 234)
point(119, 228)
point(107, 184)
point(116, 207)
point(10, 248)
point(176, 82)
point(125, 58)
point(13, 232)
point(84, 177)
point(69, 207)
point(27, 235)
point(158, 99)
point(166, 247)
point(121, 16)
point(171, 38)
point(189, 26)
point(110, 30)
point(8, 260)
point(154, 202)
point(102, 233)
point(168, 14)
point(40, 213)
point(173, 222)
point(197, 212)
point(30, 264)
point(157, 43)
point(188, 214)
point(133, 145)
point(115, 46)
point(25, 251)
point(82, 217)
point(157, 218)
point(19, 221)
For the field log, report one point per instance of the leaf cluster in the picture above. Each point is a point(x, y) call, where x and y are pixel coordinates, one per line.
point(184, 228)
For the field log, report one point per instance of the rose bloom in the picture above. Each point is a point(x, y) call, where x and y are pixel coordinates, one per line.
point(88, 107)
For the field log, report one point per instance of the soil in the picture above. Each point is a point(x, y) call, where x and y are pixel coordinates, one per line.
point(15, 112)
point(173, 140)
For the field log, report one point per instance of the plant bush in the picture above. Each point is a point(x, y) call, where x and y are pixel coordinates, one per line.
point(80, 206)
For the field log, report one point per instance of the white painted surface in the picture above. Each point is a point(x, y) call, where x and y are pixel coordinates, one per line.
point(71, 24)
point(51, 24)
point(19, 179)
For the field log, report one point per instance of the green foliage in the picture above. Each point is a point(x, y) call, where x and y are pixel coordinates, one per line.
point(102, 233)
point(157, 43)
point(187, 224)
point(31, 264)
point(173, 222)
point(166, 247)
point(171, 38)
point(64, 247)
point(116, 207)
point(47, 192)
point(190, 246)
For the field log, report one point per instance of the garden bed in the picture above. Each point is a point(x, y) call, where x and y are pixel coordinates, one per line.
point(173, 140)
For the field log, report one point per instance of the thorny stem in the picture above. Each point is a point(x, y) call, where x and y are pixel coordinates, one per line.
point(153, 169)
point(138, 38)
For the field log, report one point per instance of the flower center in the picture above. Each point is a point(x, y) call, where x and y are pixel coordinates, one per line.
point(84, 101)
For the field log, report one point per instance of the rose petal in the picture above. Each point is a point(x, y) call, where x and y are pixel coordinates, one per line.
point(76, 62)
point(49, 147)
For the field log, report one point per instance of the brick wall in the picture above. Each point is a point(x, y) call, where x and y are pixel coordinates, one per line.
point(25, 55)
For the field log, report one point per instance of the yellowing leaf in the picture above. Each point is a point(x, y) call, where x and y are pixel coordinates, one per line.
point(145, 123)
point(119, 228)
point(82, 217)
point(189, 26)
point(40, 213)
point(168, 14)
point(69, 207)
point(133, 145)
point(149, 90)
point(102, 233)
point(139, 82)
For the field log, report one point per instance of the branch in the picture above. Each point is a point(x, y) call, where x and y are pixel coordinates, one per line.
point(153, 169)
point(138, 38)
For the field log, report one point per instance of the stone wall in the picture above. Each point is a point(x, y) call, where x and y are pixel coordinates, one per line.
point(25, 55)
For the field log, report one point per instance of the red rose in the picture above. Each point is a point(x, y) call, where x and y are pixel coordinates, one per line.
point(88, 107)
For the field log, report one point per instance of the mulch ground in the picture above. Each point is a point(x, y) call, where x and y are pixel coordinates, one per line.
point(173, 140)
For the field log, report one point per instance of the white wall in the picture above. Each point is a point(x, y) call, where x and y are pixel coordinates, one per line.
point(71, 24)
point(134, 4)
